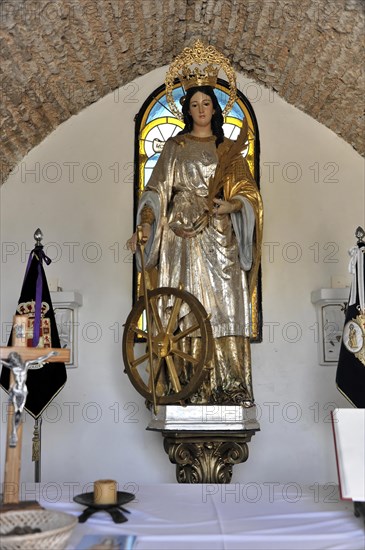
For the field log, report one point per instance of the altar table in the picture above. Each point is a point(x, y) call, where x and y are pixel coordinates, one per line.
point(249, 516)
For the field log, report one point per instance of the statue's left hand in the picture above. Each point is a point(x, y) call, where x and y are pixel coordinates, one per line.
point(223, 207)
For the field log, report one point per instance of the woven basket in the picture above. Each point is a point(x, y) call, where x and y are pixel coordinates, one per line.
point(56, 528)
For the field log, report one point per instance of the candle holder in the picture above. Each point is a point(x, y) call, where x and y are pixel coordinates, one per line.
point(115, 509)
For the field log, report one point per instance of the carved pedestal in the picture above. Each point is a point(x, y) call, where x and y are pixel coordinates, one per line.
point(202, 458)
point(205, 441)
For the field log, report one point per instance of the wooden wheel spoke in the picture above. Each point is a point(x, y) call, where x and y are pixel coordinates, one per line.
point(173, 374)
point(185, 332)
point(174, 313)
point(139, 360)
point(185, 356)
point(155, 372)
point(139, 331)
point(158, 370)
point(155, 315)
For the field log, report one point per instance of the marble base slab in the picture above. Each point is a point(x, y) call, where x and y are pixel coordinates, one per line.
point(204, 418)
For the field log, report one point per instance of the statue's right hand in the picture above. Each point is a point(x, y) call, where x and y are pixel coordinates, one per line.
point(132, 242)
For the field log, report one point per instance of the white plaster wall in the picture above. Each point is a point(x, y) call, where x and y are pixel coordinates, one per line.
point(313, 192)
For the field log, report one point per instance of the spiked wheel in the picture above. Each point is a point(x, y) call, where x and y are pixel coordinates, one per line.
point(177, 367)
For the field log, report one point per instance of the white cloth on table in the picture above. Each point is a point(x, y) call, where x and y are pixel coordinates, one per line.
point(230, 517)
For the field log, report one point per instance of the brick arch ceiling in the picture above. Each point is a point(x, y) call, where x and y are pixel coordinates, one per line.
point(60, 56)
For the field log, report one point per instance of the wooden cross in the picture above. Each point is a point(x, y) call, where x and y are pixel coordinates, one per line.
point(13, 454)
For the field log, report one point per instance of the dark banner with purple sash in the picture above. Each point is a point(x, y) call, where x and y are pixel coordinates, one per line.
point(35, 302)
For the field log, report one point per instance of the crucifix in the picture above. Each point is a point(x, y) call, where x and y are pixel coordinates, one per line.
point(19, 359)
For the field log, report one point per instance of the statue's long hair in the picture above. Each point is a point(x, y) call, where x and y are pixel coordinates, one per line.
point(217, 119)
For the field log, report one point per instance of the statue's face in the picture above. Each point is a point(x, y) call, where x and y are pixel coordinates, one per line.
point(201, 109)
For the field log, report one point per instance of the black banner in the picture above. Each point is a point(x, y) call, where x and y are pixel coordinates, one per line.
point(35, 301)
point(350, 376)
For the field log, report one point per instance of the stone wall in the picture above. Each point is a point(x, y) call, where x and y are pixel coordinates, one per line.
point(60, 56)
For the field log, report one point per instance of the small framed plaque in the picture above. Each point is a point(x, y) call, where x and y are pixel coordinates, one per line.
point(65, 306)
point(330, 306)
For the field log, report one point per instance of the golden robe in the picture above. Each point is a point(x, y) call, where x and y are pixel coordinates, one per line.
point(213, 263)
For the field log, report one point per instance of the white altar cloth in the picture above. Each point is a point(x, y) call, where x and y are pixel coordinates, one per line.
point(227, 517)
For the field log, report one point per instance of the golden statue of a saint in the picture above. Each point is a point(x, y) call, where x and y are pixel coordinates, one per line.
point(201, 215)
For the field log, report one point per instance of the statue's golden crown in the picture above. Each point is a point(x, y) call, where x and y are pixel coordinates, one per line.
point(185, 67)
point(206, 76)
